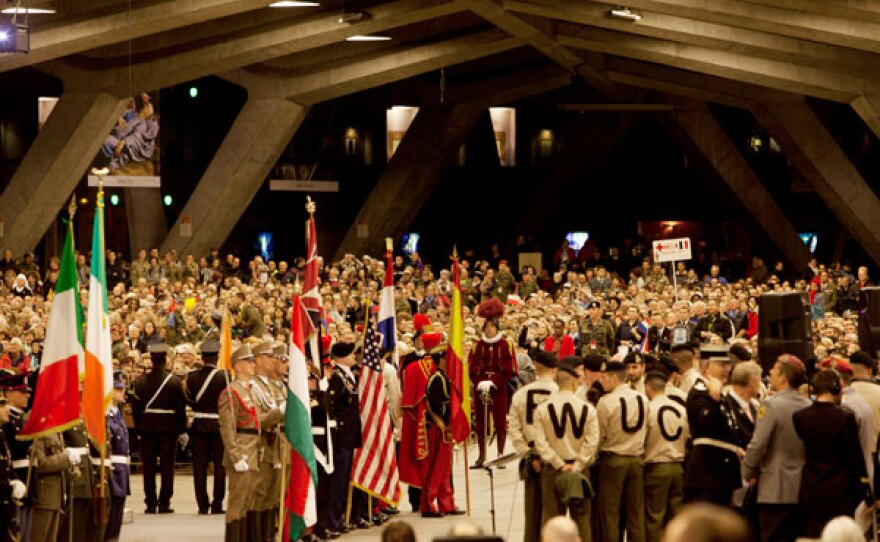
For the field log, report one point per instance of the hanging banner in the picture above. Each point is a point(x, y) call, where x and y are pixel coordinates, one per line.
point(131, 150)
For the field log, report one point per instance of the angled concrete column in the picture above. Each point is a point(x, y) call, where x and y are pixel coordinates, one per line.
point(696, 128)
point(585, 150)
point(54, 164)
point(415, 169)
point(816, 155)
point(868, 107)
point(145, 215)
point(257, 138)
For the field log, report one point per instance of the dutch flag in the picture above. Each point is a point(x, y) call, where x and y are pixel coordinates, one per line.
point(387, 324)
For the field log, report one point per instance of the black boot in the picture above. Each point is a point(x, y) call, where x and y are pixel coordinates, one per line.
point(268, 525)
point(254, 527)
point(232, 532)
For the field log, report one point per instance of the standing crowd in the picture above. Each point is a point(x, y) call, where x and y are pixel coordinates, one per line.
point(624, 396)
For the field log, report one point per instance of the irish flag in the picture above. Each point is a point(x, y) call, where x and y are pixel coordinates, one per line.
point(456, 363)
point(300, 500)
point(98, 382)
point(56, 402)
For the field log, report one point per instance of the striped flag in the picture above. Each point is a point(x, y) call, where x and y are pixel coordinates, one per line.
point(311, 296)
point(387, 324)
point(456, 364)
point(301, 496)
point(643, 329)
point(374, 467)
point(56, 401)
point(98, 384)
point(225, 358)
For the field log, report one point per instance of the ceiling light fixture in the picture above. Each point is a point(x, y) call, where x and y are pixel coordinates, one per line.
point(625, 13)
point(352, 17)
point(28, 11)
point(368, 38)
point(294, 4)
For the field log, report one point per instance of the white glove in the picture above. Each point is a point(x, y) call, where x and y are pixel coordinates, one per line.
point(184, 440)
point(242, 465)
point(486, 386)
point(283, 407)
point(18, 489)
point(73, 456)
point(277, 466)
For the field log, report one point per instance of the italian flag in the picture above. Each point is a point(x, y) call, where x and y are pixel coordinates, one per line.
point(300, 500)
point(98, 382)
point(56, 401)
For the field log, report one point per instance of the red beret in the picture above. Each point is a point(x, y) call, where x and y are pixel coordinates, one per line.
point(420, 321)
point(793, 362)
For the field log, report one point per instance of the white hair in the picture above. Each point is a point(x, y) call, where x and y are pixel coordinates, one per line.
point(842, 529)
point(560, 529)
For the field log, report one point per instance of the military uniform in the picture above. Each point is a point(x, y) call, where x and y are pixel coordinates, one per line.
point(51, 474)
point(504, 285)
point(521, 428)
point(567, 433)
point(319, 407)
point(159, 409)
point(345, 410)
point(622, 416)
point(19, 451)
point(251, 321)
point(203, 389)
point(266, 494)
point(8, 514)
point(664, 463)
point(119, 448)
point(777, 454)
point(84, 489)
point(597, 338)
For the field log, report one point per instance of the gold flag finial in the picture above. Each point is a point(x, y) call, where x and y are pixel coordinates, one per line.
point(310, 205)
point(71, 209)
point(389, 244)
point(454, 252)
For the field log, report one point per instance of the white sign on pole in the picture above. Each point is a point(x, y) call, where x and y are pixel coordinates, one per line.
point(127, 181)
point(672, 250)
point(303, 186)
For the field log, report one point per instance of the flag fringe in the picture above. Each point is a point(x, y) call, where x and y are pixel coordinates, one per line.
point(51, 431)
point(377, 496)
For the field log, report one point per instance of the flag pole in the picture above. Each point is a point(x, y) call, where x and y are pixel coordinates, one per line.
point(282, 509)
point(467, 475)
point(103, 448)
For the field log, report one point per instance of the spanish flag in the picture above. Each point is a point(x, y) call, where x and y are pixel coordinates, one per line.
point(456, 363)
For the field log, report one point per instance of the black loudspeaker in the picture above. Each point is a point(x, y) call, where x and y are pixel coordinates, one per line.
point(783, 328)
point(869, 321)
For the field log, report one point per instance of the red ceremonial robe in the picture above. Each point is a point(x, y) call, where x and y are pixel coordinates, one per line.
point(412, 460)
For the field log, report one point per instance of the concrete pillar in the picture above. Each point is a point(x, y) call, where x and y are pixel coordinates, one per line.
point(415, 169)
point(817, 157)
point(54, 164)
point(257, 138)
point(585, 150)
point(697, 129)
point(868, 107)
point(145, 216)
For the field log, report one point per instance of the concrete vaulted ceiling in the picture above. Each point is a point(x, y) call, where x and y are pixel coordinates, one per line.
point(762, 55)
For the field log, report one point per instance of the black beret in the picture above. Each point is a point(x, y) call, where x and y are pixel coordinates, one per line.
point(210, 348)
point(572, 361)
point(681, 348)
point(656, 374)
point(340, 349)
point(613, 366)
point(547, 359)
point(740, 352)
point(594, 363)
point(668, 364)
point(570, 364)
point(12, 381)
point(863, 358)
point(633, 357)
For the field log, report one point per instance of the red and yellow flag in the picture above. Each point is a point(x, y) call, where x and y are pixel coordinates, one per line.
point(456, 363)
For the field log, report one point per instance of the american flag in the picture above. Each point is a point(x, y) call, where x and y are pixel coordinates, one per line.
point(375, 465)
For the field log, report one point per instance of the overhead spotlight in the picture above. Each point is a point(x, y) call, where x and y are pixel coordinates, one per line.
point(28, 11)
point(625, 13)
point(14, 38)
point(368, 38)
point(351, 17)
point(294, 4)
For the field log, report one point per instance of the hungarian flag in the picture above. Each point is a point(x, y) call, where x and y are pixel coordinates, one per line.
point(56, 402)
point(98, 383)
point(225, 361)
point(456, 364)
point(300, 500)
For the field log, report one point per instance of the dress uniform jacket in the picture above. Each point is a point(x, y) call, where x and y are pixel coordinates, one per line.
point(167, 412)
point(203, 389)
point(19, 450)
point(345, 408)
point(710, 468)
point(567, 431)
point(240, 424)
point(51, 472)
point(120, 454)
point(775, 452)
point(742, 418)
point(8, 512)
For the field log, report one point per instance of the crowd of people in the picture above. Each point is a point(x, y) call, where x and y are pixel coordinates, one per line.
point(624, 395)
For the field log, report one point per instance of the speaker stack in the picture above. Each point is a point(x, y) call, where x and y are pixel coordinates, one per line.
point(784, 328)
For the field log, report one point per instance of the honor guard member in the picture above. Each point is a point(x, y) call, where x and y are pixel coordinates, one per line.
point(492, 364)
point(84, 488)
point(623, 425)
point(438, 499)
point(567, 439)
point(264, 391)
point(635, 364)
point(54, 465)
point(119, 451)
point(240, 423)
point(597, 333)
point(664, 456)
point(203, 389)
point(159, 409)
point(17, 394)
point(712, 470)
point(278, 379)
point(775, 456)
point(345, 410)
point(521, 429)
point(12, 490)
point(321, 425)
